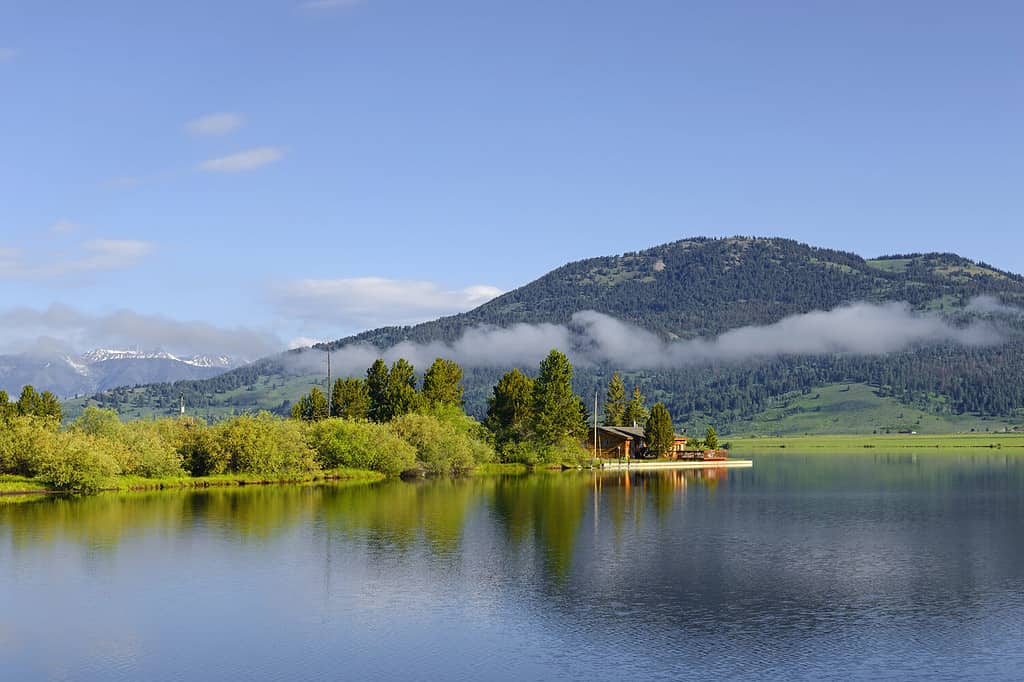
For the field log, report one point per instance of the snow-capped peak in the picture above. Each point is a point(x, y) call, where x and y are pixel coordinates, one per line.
point(105, 354)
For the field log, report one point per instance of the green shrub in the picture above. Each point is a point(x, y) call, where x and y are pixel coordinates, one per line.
point(263, 445)
point(566, 452)
point(76, 462)
point(22, 439)
point(441, 446)
point(153, 455)
point(519, 453)
point(360, 445)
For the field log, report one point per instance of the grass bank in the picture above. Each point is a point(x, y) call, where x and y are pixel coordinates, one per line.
point(22, 485)
point(847, 443)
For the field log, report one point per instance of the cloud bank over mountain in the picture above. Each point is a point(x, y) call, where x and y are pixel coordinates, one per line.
point(594, 338)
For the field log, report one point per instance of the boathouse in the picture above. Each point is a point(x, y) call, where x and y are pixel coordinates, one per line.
point(617, 442)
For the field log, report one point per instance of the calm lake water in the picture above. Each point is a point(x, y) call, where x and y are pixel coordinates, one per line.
point(842, 566)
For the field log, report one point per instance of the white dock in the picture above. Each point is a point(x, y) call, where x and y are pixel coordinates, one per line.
point(641, 465)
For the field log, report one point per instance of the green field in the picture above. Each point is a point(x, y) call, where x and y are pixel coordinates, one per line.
point(846, 443)
point(857, 409)
point(268, 393)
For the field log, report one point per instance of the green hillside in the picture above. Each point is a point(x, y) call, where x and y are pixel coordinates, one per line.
point(699, 288)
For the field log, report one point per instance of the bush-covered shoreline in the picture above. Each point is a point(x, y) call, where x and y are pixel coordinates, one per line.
point(381, 426)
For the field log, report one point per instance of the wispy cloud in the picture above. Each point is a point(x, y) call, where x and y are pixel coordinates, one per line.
point(95, 255)
point(594, 338)
point(329, 4)
point(303, 342)
point(362, 302)
point(214, 124)
point(244, 161)
point(23, 329)
point(7, 54)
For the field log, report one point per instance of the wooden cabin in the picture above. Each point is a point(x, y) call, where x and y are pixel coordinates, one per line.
point(619, 442)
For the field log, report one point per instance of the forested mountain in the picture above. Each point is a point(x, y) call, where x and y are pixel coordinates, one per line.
point(701, 288)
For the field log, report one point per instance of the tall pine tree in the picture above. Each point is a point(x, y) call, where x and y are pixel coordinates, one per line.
point(636, 409)
point(376, 388)
point(615, 402)
point(442, 383)
point(558, 414)
point(658, 431)
point(510, 408)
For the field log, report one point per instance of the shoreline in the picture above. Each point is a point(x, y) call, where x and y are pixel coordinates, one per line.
point(8, 484)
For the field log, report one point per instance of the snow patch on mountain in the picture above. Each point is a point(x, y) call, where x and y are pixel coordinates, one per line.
point(106, 354)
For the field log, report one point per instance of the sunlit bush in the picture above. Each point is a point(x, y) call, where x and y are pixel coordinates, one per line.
point(441, 447)
point(263, 445)
point(360, 445)
point(75, 462)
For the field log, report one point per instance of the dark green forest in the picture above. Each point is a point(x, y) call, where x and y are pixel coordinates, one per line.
point(698, 288)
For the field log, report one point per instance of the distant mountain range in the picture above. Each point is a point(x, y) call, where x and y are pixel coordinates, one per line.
point(103, 369)
point(699, 289)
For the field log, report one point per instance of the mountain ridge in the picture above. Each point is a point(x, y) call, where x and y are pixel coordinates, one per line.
point(694, 288)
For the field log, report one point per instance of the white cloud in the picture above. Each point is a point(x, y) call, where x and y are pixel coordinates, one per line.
point(303, 342)
point(7, 54)
point(26, 328)
point(96, 255)
point(330, 4)
point(214, 124)
point(592, 337)
point(374, 301)
point(244, 161)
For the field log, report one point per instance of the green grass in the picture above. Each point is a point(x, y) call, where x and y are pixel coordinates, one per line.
point(16, 485)
point(856, 409)
point(19, 484)
point(846, 443)
point(890, 264)
point(498, 468)
point(267, 393)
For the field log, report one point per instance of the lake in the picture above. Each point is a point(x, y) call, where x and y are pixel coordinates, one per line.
point(868, 565)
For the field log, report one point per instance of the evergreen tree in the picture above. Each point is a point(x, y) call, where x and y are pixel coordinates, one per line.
point(350, 399)
point(6, 409)
point(49, 407)
point(510, 408)
point(558, 413)
point(376, 388)
point(442, 384)
point(311, 407)
point(636, 410)
point(400, 392)
point(615, 402)
point(658, 431)
point(28, 402)
point(711, 439)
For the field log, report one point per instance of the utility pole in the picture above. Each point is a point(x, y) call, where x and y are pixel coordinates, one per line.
point(595, 423)
point(330, 388)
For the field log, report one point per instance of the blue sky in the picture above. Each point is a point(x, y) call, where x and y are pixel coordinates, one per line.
point(242, 174)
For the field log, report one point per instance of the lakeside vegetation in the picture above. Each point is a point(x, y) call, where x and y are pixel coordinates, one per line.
point(386, 427)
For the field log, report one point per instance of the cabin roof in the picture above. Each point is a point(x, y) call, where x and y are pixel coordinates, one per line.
point(629, 432)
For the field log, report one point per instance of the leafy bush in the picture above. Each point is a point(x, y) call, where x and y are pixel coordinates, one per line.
point(441, 446)
point(360, 445)
point(263, 445)
point(77, 463)
point(21, 441)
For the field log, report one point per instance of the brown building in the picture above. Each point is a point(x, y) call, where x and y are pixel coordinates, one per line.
point(619, 442)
